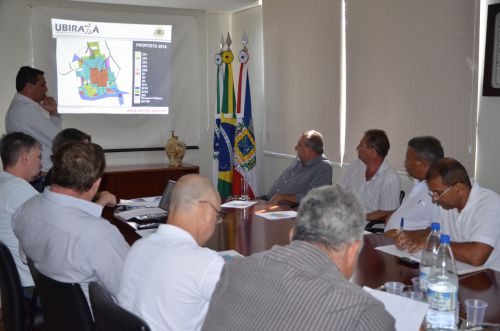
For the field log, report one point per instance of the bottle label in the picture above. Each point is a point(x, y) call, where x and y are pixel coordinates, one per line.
point(423, 279)
point(442, 300)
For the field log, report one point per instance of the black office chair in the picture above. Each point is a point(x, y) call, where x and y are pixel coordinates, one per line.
point(109, 316)
point(372, 225)
point(19, 313)
point(64, 305)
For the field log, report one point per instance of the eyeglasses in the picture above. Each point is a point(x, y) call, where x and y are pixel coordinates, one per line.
point(219, 215)
point(436, 196)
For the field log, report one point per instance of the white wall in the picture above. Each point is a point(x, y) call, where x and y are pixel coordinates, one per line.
point(15, 31)
point(14, 17)
point(488, 134)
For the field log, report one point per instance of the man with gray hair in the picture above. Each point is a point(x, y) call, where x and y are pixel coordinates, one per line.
point(309, 170)
point(304, 285)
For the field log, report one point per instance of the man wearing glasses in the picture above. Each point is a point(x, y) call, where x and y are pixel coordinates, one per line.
point(469, 213)
point(168, 278)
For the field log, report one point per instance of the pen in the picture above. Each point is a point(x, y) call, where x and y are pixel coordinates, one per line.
point(402, 224)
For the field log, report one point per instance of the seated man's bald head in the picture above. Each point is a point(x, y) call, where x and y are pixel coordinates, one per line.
point(190, 189)
point(195, 207)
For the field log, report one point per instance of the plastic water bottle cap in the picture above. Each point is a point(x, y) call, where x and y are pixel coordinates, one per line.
point(435, 226)
point(445, 239)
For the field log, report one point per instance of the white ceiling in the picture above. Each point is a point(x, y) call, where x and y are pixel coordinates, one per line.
point(208, 5)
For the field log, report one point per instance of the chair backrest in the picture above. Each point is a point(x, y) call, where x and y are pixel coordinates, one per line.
point(13, 302)
point(109, 316)
point(64, 305)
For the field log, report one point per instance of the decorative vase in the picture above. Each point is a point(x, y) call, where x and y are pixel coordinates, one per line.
point(175, 150)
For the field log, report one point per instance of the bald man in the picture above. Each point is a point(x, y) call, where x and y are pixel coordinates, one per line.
point(168, 278)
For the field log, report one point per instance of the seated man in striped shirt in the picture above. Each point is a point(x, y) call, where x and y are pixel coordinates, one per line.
point(302, 286)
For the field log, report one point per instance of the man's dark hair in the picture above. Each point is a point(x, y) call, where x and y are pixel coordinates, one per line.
point(378, 140)
point(13, 145)
point(78, 165)
point(314, 140)
point(427, 148)
point(67, 136)
point(451, 172)
point(27, 75)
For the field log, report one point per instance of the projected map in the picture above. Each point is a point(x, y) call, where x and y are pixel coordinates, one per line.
point(112, 68)
point(98, 79)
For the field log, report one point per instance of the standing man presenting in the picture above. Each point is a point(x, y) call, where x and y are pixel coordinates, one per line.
point(33, 112)
point(309, 170)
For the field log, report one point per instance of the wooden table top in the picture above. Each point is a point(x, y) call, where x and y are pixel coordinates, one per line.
point(247, 233)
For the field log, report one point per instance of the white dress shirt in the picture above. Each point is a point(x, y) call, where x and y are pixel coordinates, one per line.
point(68, 240)
point(14, 191)
point(417, 209)
point(381, 192)
point(479, 221)
point(25, 115)
point(168, 279)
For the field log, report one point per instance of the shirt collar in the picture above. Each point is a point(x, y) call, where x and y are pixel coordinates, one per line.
point(472, 197)
point(88, 207)
point(177, 232)
point(383, 166)
point(311, 162)
point(24, 98)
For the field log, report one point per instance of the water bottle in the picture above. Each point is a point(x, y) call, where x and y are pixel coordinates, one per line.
point(428, 255)
point(442, 289)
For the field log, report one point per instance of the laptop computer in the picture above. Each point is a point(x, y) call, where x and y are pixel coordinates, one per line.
point(157, 215)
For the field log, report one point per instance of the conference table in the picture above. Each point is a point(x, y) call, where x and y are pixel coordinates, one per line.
point(244, 231)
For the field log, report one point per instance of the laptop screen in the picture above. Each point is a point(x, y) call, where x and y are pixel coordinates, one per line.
point(167, 194)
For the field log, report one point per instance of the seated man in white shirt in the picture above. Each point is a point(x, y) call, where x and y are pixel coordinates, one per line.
point(21, 163)
point(469, 214)
point(417, 209)
point(168, 278)
point(62, 230)
point(371, 178)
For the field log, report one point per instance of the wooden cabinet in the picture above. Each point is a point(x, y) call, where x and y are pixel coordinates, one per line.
point(127, 182)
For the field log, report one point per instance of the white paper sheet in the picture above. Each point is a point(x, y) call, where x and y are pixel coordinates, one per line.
point(462, 268)
point(240, 204)
point(409, 314)
point(128, 214)
point(278, 215)
point(141, 202)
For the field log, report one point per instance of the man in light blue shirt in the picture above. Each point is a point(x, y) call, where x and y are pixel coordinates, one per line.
point(61, 230)
point(21, 163)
